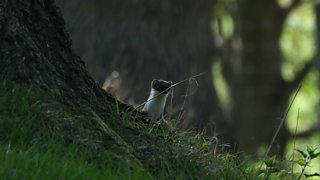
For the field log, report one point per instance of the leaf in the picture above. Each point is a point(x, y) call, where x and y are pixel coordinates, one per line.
point(311, 175)
point(313, 154)
point(271, 162)
point(302, 153)
point(311, 149)
point(268, 163)
point(301, 162)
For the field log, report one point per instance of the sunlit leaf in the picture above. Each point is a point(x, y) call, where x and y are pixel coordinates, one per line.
point(311, 149)
point(312, 153)
point(302, 153)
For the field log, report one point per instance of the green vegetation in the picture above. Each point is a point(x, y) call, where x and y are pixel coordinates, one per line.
point(41, 136)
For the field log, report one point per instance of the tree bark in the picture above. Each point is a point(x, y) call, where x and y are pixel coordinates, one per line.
point(36, 49)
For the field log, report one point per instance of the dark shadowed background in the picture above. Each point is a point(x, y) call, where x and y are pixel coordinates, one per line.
point(255, 55)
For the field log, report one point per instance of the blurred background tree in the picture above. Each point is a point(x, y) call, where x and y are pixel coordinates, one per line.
point(258, 53)
point(253, 65)
point(263, 59)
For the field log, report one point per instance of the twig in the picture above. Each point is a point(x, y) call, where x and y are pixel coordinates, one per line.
point(302, 171)
point(184, 102)
point(171, 103)
point(305, 71)
point(194, 91)
point(281, 124)
point(294, 140)
point(308, 133)
point(282, 121)
point(294, 4)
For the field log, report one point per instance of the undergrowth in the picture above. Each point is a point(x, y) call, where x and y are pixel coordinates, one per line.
point(42, 136)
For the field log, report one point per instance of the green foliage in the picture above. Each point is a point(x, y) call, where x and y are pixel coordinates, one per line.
point(275, 169)
point(307, 156)
point(297, 41)
point(298, 45)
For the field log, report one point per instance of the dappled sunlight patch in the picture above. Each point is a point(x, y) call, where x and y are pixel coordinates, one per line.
point(307, 102)
point(297, 42)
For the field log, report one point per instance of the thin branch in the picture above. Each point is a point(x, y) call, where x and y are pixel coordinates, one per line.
point(219, 23)
point(286, 10)
point(304, 72)
point(281, 124)
point(307, 133)
point(282, 120)
point(294, 4)
point(294, 141)
point(184, 102)
point(171, 104)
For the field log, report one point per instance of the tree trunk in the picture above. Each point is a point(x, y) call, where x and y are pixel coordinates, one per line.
point(36, 49)
point(259, 92)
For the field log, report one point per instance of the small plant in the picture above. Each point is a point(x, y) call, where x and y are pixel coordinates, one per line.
point(307, 156)
point(274, 169)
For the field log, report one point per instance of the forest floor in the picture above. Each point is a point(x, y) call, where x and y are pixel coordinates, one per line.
point(42, 136)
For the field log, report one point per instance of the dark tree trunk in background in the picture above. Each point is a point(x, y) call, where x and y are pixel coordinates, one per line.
point(149, 39)
point(35, 49)
point(260, 99)
point(259, 93)
point(317, 65)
